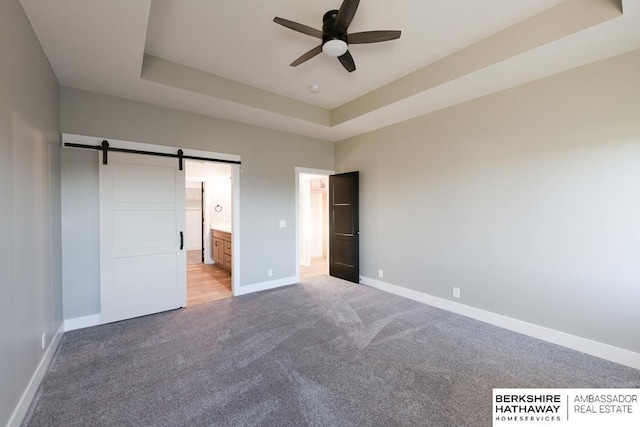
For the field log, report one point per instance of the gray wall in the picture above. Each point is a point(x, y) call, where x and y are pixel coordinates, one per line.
point(267, 182)
point(528, 200)
point(80, 228)
point(30, 272)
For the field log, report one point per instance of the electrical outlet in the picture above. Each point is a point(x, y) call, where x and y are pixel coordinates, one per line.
point(456, 292)
point(269, 272)
point(44, 339)
point(283, 223)
point(380, 273)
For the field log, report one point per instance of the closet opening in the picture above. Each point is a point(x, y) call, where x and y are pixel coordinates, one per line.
point(313, 223)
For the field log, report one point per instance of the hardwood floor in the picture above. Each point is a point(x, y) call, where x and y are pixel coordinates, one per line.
point(207, 282)
point(194, 257)
point(317, 268)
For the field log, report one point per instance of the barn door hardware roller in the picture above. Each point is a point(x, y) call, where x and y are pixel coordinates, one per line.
point(105, 148)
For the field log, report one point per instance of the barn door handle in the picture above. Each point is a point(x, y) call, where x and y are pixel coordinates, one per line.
point(181, 240)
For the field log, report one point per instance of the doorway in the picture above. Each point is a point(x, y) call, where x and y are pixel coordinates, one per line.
point(154, 181)
point(209, 200)
point(313, 223)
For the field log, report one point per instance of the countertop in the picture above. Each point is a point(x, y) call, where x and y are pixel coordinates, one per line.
point(225, 228)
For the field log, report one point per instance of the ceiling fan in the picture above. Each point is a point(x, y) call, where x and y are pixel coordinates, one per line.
point(335, 39)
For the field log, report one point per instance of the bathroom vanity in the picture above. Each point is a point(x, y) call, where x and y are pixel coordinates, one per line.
point(221, 247)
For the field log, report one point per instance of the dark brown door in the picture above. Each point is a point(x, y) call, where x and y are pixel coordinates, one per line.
point(202, 232)
point(344, 239)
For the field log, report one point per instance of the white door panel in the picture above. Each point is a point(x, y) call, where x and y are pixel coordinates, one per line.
point(144, 229)
point(142, 213)
point(143, 183)
point(138, 275)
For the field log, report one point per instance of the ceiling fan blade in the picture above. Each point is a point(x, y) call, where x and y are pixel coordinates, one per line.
point(307, 56)
point(347, 62)
point(373, 37)
point(345, 15)
point(298, 27)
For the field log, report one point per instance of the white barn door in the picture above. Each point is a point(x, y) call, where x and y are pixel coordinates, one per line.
point(142, 225)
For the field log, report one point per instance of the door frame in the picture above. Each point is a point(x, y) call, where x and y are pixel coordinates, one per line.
point(298, 172)
point(235, 185)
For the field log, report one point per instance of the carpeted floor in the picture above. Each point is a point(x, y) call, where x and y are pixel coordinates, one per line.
point(326, 353)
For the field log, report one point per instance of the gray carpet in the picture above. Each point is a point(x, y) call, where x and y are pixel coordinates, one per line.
point(326, 353)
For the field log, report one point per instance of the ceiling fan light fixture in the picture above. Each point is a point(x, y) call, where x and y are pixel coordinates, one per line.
point(334, 48)
point(335, 35)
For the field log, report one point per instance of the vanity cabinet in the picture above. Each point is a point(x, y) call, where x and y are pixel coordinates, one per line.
point(227, 251)
point(221, 248)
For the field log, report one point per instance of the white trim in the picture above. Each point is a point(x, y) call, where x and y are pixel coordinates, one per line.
point(27, 397)
point(263, 286)
point(236, 172)
point(82, 322)
point(584, 345)
point(308, 171)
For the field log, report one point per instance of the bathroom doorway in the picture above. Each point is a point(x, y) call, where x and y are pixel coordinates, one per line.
point(209, 199)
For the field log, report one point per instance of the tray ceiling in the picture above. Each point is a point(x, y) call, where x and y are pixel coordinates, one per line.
point(229, 60)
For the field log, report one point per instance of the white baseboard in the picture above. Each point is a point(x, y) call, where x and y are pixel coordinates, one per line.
point(263, 286)
point(584, 345)
point(27, 397)
point(82, 322)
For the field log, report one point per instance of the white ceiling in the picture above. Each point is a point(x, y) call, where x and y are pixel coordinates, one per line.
point(99, 46)
point(238, 39)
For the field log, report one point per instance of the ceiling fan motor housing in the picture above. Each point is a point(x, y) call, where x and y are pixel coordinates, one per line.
point(328, 28)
